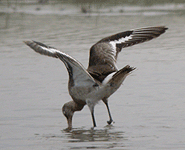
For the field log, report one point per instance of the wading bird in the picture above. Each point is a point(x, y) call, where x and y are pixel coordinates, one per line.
point(102, 77)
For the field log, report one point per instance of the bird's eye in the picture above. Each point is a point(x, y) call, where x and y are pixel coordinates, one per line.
point(64, 112)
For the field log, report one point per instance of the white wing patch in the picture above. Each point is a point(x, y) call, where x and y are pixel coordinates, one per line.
point(52, 50)
point(119, 41)
point(106, 80)
point(80, 75)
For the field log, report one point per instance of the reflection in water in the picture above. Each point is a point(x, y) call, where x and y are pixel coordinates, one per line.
point(81, 138)
point(85, 135)
point(11, 20)
point(148, 110)
point(96, 138)
point(6, 20)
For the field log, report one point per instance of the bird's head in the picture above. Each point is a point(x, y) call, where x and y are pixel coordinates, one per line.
point(68, 110)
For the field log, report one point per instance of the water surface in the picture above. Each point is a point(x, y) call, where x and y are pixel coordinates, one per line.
point(148, 109)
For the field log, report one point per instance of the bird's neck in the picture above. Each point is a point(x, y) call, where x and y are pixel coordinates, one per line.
point(76, 106)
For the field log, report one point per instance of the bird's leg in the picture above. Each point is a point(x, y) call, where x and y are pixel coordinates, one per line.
point(93, 119)
point(91, 107)
point(69, 121)
point(105, 100)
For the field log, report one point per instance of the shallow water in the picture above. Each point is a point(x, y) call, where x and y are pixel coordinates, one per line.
point(148, 109)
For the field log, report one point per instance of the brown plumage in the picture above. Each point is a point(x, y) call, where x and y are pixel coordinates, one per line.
point(102, 77)
point(103, 55)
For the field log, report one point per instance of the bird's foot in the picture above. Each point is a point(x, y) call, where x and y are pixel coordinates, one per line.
point(110, 121)
point(68, 129)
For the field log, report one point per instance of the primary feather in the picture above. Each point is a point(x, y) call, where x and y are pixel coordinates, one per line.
point(103, 54)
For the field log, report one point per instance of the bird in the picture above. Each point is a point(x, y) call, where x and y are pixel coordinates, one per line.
point(102, 77)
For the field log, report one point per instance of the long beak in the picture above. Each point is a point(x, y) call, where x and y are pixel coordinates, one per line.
point(69, 121)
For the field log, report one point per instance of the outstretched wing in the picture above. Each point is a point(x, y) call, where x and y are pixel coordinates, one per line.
point(103, 55)
point(76, 71)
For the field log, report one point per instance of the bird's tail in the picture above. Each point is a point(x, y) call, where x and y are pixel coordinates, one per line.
point(120, 76)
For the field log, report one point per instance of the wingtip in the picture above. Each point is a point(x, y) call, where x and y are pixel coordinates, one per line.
point(27, 42)
point(129, 69)
point(164, 27)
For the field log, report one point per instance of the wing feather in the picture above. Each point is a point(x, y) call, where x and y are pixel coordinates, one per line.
point(75, 69)
point(103, 54)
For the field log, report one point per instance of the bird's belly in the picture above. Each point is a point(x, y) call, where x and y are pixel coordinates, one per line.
point(83, 93)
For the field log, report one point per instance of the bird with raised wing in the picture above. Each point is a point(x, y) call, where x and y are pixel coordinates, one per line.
point(102, 77)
